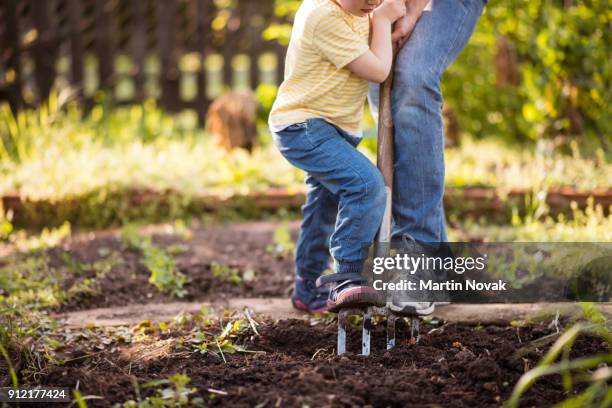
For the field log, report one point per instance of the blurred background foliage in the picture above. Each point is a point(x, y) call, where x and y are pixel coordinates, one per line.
point(534, 69)
point(529, 97)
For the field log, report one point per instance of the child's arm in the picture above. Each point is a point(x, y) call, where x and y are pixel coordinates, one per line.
point(375, 64)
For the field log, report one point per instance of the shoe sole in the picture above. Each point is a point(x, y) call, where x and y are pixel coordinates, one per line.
point(411, 310)
point(356, 298)
point(301, 306)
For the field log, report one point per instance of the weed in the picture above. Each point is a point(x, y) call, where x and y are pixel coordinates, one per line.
point(177, 394)
point(31, 282)
point(159, 262)
point(206, 342)
point(225, 273)
point(582, 367)
point(48, 238)
point(164, 275)
point(7, 358)
point(325, 318)
point(282, 244)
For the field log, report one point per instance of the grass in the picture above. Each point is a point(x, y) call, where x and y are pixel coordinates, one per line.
point(592, 370)
point(56, 153)
point(588, 225)
point(493, 164)
point(35, 281)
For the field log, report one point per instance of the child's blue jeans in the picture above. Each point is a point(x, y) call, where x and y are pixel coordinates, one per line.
point(345, 199)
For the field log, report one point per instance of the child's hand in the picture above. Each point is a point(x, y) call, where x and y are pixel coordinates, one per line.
point(391, 10)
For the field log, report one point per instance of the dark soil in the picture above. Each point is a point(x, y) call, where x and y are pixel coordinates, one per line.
point(454, 365)
point(240, 246)
point(244, 247)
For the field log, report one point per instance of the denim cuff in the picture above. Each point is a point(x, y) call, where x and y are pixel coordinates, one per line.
point(349, 267)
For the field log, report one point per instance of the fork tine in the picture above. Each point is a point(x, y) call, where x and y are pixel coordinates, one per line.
point(342, 317)
point(415, 329)
point(391, 331)
point(365, 334)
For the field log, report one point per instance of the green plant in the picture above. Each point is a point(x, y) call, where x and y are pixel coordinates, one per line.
point(225, 273)
point(588, 225)
point(205, 342)
point(177, 394)
point(164, 274)
point(159, 262)
point(48, 238)
point(11, 369)
point(282, 244)
point(597, 393)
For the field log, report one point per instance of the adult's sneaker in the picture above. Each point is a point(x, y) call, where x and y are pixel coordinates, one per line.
point(418, 301)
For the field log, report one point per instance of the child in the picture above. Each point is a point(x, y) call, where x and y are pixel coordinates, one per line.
point(315, 123)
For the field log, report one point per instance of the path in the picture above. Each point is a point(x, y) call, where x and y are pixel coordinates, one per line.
point(280, 308)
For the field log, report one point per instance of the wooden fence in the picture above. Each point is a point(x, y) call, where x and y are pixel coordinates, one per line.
point(180, 52)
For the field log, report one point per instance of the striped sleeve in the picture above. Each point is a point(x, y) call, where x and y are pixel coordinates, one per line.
point(335, 40)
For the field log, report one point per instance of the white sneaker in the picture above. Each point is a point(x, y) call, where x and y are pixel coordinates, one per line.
point(412, 308)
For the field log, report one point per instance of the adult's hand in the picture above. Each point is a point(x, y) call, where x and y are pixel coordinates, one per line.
point(404, 26)
point(402, 29)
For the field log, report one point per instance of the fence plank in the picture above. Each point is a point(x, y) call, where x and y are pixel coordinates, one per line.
point(91, 26)
point(104, 43)
point(11, 40)
point(229, 45)
point(205, 14)
point(76, 46)
point(254, 35)
point(170, 74)
point(138, 46)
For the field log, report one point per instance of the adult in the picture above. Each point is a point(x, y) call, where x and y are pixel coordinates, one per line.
point(427, 47)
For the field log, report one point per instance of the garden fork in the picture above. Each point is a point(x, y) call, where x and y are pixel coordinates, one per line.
point(384, 162)
point(367, 315)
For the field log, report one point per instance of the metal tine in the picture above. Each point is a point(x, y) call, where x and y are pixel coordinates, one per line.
point(391, 331)
point(365, 333)
point(342, 322)
point(415, 328)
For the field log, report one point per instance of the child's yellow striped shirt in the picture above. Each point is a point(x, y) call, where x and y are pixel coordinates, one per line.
point(317, 84)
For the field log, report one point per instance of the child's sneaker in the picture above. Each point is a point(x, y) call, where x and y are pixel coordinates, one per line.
point(351, 290)
point(308, 298)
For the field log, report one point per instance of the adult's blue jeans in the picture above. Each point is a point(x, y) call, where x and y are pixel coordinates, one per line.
point(345, 201)
point(418, 188)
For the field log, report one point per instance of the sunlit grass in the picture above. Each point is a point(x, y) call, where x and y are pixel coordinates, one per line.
point(491, 163)
point(54, 154)
point(188, 167)
point(588, 225)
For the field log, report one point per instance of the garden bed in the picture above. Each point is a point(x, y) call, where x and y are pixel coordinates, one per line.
point(220, 262)
point(100, 209)
point(266, 359)
point(292, 363)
